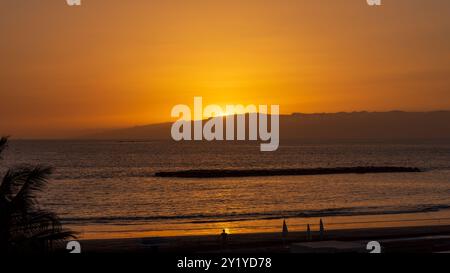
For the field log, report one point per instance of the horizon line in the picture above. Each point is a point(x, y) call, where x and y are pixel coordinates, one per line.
point(82, 133)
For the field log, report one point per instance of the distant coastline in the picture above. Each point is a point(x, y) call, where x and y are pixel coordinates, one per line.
point(392, 126)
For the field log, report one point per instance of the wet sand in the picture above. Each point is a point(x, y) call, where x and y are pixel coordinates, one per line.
point(397, 239)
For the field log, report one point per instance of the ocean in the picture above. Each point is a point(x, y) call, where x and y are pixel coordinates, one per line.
point(107, 189)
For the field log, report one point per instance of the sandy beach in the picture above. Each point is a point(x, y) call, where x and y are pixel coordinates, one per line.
point(398, 239)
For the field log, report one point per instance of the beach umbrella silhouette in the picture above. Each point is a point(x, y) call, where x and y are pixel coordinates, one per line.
point(308, 233)
point(322, 229)
point(285, 231)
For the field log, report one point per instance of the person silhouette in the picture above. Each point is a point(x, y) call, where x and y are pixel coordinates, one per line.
point(224, 237)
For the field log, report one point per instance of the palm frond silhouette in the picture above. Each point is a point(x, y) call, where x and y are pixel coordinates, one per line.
point(24, 227)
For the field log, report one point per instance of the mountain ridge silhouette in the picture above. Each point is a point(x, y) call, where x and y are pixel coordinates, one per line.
point(323, 126)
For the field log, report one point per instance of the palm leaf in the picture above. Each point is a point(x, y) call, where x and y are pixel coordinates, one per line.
point(3, 144)
point(23, 226)
point(12, 180)
point(35, 181)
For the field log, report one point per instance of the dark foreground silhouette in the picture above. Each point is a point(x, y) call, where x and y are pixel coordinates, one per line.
point(284, 172)
point(24, 227)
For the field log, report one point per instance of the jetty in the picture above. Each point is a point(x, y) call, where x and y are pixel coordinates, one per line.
point(215, 173)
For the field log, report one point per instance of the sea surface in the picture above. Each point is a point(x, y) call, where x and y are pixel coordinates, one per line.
point(107, 189)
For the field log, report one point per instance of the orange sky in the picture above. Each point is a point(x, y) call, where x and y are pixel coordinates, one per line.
point(115, 63)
